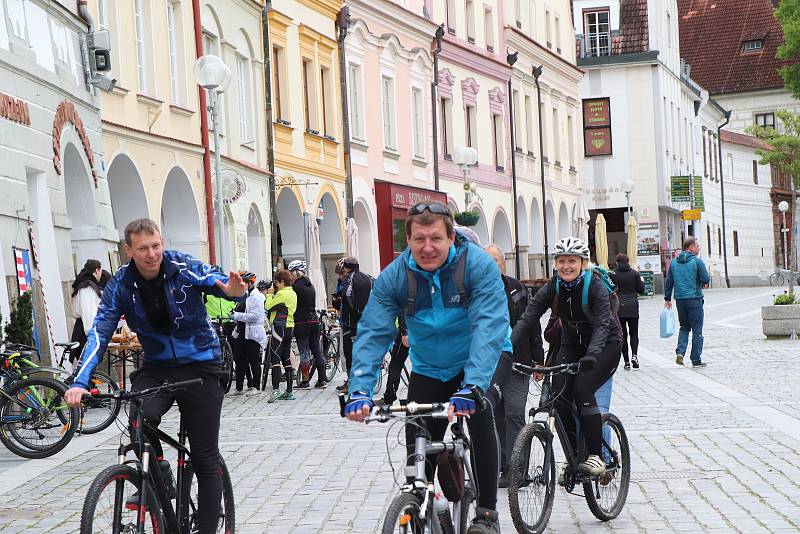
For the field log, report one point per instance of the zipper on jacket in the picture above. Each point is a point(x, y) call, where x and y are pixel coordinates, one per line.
point(174, 356)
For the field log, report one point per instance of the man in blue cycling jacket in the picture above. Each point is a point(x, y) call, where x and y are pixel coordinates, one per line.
point(457, 321)
point(160, 294)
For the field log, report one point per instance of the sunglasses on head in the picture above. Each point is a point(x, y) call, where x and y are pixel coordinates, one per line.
point(434, 207)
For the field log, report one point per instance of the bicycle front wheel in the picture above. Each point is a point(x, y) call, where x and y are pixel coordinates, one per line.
point(110, 505)
point(35, 421)
point(606, 494)
point(331, 357)
point(532, 487)
point(403, 516)
point(227, 365)
point(777, 279)
point(188, 517)
point(99, 414)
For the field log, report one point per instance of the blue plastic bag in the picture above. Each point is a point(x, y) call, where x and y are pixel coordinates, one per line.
point(667, 322)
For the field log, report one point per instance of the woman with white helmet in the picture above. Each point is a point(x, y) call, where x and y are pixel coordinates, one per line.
point(592, 338)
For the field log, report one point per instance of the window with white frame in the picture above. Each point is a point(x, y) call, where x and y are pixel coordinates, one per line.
point(17, 19)
point(517, 121)
point(389, 126)
point(497, 142)
point(556, 138)
point(244, 95)
point(211, 46)
point(446, 107)
point(488, 29)
point(175, 41)
point(571, 141)
point(518, 13)
point(547, 30)
point(310, 96)
point(356, 103)
point(279, 89)
point(558, 35)
point(529, 124)
point(471, 127)
point(597, 34)
point(669, 29)
point(418, 122)
point(141, 52)
point(450, 16)
point(753, 45)
point(470, 14)
point(326, 84)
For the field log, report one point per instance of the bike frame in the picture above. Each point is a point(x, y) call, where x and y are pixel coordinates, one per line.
point(147, 467)
point(34, 397)
point(424, 446)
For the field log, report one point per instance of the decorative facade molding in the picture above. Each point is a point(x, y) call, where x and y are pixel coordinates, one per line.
point(446, 81)
point(496, 101)
point(469, 91)
point(66, 114)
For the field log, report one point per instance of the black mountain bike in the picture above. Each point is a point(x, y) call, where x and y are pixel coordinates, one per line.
point(227, 352)
point(109, 507)
point(532, 487)
point(417, 509)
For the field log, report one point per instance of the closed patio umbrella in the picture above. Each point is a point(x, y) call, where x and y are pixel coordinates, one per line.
point(633, 230)
point(352, 238)
point(314, 263)
point(601, 241)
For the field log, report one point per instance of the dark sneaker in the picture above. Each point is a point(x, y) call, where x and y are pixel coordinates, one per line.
point(502, 482)
point(287, 395)
point(699, 364)
point(303, 385)
point(321, 384)
point(635, 361)
point(342, 388)
point(679, 359)
point(485, 522)
point(627, 366)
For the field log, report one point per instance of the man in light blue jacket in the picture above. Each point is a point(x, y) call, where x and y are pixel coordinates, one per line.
point(457, 319)
point(688, 276)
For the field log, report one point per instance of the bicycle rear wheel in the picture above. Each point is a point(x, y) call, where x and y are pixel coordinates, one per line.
point(99, 414)
point(777, 279)
point(106, 507)
point(532, 487)
point(227, 364)
point(403, 516)
point(331, 348)
point(35, 421)
point(188, 509)
point(606, 495)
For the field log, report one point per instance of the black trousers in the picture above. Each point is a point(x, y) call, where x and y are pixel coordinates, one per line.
point(508, 395)
point(80, 336)
point(280, 353)
point(200, 408)
point(399, 355)
point(580, 389)
point(248, 363)
point(348, 339)
point(309, 343)
point(485, 446)
point(630, 331)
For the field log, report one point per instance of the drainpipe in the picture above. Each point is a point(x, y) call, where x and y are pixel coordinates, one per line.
point(342, 23)
point(83, 11)
point(722, 198)
point(537, 71)
point(198, 46)
point(434, 115)
point(511, 59)
point(273, 222)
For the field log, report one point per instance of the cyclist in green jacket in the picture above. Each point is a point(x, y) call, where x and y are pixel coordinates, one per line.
point(281, 307)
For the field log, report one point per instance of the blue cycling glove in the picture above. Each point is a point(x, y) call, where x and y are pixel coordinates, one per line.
point(463, 400)
point(358, 399)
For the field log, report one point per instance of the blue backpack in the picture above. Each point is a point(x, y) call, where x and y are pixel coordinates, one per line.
point(602, 276)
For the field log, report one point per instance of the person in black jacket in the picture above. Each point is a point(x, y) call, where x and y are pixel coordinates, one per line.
point(509, 390)
point(593, 341)
point(399, 355)
point(306, 326)
point(629, 284)
point(348, 317)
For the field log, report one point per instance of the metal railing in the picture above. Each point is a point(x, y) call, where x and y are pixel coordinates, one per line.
point(594, 44)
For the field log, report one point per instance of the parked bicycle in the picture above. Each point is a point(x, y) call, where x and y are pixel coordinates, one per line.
point(532, 487)
point(95, 414)
point(114, 500)
point(35, 421)
point(781, 277)
point(219, 326)
point(417, 509)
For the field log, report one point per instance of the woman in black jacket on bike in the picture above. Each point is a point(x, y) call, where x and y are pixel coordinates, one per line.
point(629, 285)
point(306, 326)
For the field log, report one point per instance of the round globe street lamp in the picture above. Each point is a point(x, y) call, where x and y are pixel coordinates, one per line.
point(214, 76)
point(783, 206)
point(465, 157)
point(628, 186)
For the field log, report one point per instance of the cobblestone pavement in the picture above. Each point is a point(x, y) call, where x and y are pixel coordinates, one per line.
point(714, 450)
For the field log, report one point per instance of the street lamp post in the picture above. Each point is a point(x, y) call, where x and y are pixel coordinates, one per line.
point(628, 186)
point(782, 207)
point(214, 76)
point(537, 71)
point(465, 157)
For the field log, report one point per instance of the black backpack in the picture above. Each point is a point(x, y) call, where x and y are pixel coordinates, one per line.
point(458, 278)
point(358, 290)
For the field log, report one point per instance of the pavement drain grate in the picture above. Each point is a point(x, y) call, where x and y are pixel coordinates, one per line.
point(643, 476)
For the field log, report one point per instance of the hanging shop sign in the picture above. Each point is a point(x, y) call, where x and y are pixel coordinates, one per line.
point(14, 109)
point(597, 127)
point(691, 215)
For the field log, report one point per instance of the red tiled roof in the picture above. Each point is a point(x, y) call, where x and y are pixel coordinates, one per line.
point(743, 140)
point(633, 35)
point(712, 35)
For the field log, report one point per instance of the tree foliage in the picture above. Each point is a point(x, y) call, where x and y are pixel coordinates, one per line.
point(788, 15)
point(20, 327)
point(784, 151)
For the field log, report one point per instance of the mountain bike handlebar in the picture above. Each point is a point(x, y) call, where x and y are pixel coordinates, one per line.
point(132, 395)
point(384, 412)
point(565, 368)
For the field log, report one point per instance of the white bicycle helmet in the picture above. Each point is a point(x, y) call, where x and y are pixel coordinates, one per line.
point(296, 265)
point(572, 246)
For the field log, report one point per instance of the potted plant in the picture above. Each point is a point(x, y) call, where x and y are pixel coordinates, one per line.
point(467, 218)
point(782, 318)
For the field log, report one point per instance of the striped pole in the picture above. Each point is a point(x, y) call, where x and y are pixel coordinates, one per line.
point(44, 298)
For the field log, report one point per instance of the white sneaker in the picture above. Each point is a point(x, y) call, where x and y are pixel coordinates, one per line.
point(252, 392)
point(235, 392)
point(593, 466)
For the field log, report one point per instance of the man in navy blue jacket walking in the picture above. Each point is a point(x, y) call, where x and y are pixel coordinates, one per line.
point(688, 276)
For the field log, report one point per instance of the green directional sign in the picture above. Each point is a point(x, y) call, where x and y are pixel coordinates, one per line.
point(698, 200)
point(681, 188)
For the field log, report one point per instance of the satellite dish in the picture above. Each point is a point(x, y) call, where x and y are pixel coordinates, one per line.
point(233, 186)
